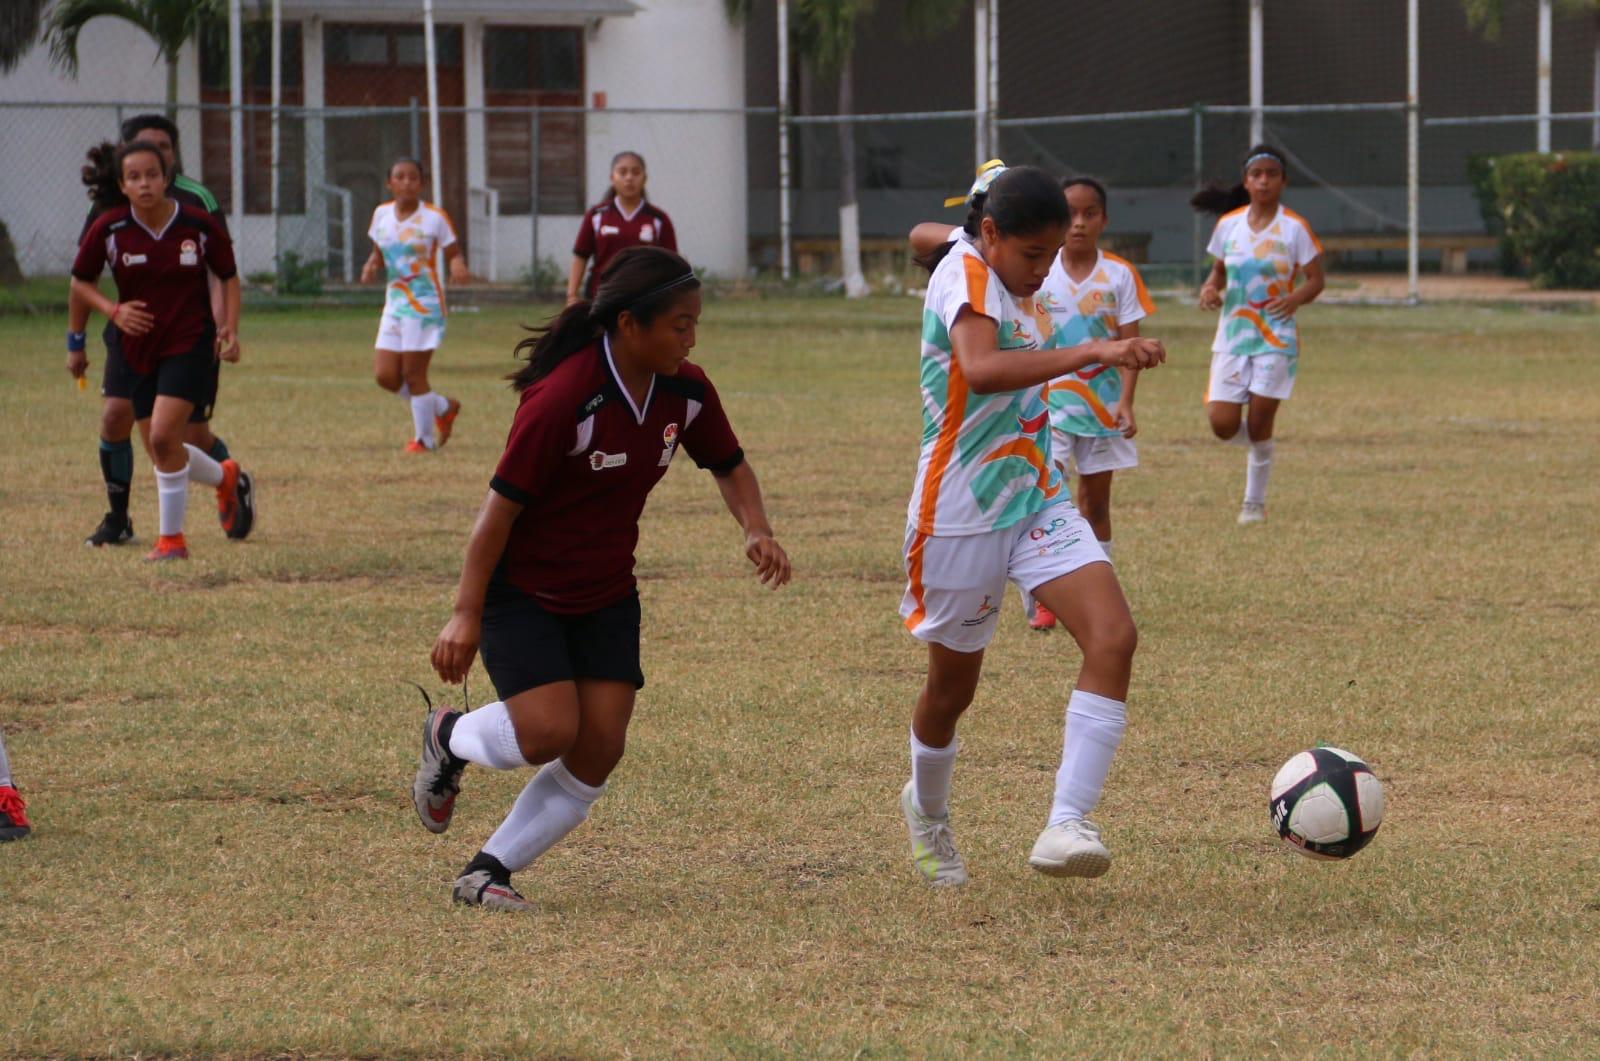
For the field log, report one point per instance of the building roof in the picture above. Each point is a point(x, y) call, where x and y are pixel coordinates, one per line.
point(531, 11)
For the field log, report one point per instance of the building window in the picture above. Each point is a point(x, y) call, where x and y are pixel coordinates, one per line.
point(531, 68)
point(215, 159)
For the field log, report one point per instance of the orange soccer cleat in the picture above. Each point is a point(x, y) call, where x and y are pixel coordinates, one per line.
point(442, 425)
point(169, 547)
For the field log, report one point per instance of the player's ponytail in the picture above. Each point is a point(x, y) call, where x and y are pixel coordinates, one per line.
point(1021, 200)
point(1217, 198)
point(642, 281)
point(100, 176)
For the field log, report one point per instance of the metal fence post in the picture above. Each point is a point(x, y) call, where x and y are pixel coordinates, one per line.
point(533, 201)
point(1199, 179)
point(416, 142)
point(1413, 154)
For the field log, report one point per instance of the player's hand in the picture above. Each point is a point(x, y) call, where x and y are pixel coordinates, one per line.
point(456, 645)
point(1282, 307)
point(1210, 297)
point(574, 298)
point(459, 273)
point(227, 344)
point(131, 318)
point(1125, 421)
point(1134, 353)
point(77, 363)
point(369, 272)
point(772, 563)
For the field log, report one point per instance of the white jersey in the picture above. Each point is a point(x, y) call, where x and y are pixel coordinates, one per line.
point(1110, 297)
point(1261, 266)
point(411, 248)
point(985, 461)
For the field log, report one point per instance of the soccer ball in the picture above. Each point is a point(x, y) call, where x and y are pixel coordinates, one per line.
point(1326, 803)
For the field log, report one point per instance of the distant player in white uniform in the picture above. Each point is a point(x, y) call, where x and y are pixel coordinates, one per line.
point(989, 506)
point(408, 235)
point(1268, 264)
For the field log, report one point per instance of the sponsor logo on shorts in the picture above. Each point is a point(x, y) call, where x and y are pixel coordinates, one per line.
point(599, 460)
point(986, 611)
point(1050, 538)
point(189, 253)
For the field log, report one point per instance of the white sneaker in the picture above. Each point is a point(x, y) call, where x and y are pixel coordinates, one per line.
point(933, 845)
point(1251, 512)
point(1071, 849)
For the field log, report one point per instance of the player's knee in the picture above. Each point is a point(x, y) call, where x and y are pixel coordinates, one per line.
point(1224, 426)
point(417, 380)
point(1112, 641)
point(1096, 510)
point(388, 379)
point(603, 751)
point(543, 739)
point(116, 423)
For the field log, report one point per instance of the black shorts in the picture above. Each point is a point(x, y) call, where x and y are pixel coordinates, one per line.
point(524, 646)
point(119, 381)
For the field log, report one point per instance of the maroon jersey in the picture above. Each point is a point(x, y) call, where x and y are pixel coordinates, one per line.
point(166, 270)
point(582, 459)
point(606, 231)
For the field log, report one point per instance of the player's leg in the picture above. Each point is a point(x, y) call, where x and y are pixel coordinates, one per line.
point(199, 433)
point(414, 373)
point(116, 469)
point(1227, 393)
point(1094, 504)
point(210, 462)
point(1082, 589)
point(13, 812)
point(163, 431)
point(1258, 468)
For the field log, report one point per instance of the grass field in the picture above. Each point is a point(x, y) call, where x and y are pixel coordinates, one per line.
point(217, 753)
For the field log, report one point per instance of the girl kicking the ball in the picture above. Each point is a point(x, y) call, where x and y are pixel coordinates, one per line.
point(407, 237)
point(1261, 249)
point(547, 590)
point(988, 506)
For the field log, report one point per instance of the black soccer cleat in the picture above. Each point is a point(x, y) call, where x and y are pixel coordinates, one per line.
point(112, 531)
point(236, 501)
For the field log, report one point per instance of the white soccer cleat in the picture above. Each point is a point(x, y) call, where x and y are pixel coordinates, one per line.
point(933, 845)
point(1252, 512)
point(1071, 849)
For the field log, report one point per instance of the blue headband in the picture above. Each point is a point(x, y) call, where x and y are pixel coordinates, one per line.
point(1266, 154)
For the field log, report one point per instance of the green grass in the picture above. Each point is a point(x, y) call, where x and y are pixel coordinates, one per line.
point(217, 754)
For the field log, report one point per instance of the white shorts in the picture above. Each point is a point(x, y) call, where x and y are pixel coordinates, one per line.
point(955, 585)
point(1093, 454)
point(1235, 377)
point(409, 334)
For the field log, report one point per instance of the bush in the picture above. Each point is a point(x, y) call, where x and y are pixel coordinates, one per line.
point(1550, 206)
point(296, 277)
point(1480, 174)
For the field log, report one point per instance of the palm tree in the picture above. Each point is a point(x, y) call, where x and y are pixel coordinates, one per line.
point(824, 34)
point(170, 23)
point(1489, 15)
point(19, 29)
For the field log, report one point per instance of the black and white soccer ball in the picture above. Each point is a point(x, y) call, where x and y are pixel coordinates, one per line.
point(1326, 803)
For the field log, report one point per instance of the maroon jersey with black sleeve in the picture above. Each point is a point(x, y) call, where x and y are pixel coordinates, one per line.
point(582, 459)
point(166, 270)
point(606, 231)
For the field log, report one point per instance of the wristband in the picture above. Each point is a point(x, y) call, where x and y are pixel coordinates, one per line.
point(77, 342)
point(112, 316)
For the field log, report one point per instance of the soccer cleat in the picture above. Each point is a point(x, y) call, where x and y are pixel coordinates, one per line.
point(480, 888)
point(438, 779)
point(416, 446)
point(933, 845)
point(443, 425)
point(236, 501)
point(169, 547)
point(13, 815)
point(1252, 512)
point(1071, 849)
point(111, 531)
point(1042, 619)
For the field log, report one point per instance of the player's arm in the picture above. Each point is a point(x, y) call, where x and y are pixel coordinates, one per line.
point(130, 318)
point(1283, 306)
point(742, 494)
point(456, 262)
point(575, 278)
point(929, 236)
point(457, 643)
point(370, 267)
point(1211, 290)
point(988, 369)
point(1130, 382)
point(228, 322)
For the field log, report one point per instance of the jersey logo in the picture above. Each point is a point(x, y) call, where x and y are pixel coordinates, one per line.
point(599, 460)
point(609, 230)
point(669, 439)
point(188, 253)
point(647, 233)
point(986, 611)
point(670, 435)
point(134, 259)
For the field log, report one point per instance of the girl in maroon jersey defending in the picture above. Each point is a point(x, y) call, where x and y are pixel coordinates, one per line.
point(547, 591)
point(159, 251)
point(623, 219)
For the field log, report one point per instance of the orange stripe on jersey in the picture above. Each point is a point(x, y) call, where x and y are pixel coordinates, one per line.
point(405, 289)
point(1028, 451)
point(919, 611)
point(437, 289)
point(1261, 326)
point(977, 285)
point(1235, 212)
point(1138, 281)
point(1315, 242)
point(955, 411)
point(1096, 406)
point(443, 215)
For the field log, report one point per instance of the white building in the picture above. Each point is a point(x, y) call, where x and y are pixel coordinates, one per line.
point(355, 97)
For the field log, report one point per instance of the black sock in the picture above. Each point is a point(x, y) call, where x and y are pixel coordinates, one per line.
point(218, 450)
point(496, 868)
point(116, 466)
point(447, 727)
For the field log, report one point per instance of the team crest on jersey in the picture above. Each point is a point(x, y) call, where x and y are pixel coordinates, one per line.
point(189, 253)
point(647, 233)
point(599, 460)
point(669, 439)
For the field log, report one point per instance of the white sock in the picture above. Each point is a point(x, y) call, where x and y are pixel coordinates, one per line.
point(1257, 468)
point(1027, 603)
point(172, 490)
point(930, 777)
point(1094, 729)
point(1105, 547)
point(404, 393)
point(422, 417)
point(486, 737)
point(5, 766)
point(202, 468)
point(441, 404)
point(552, 805)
